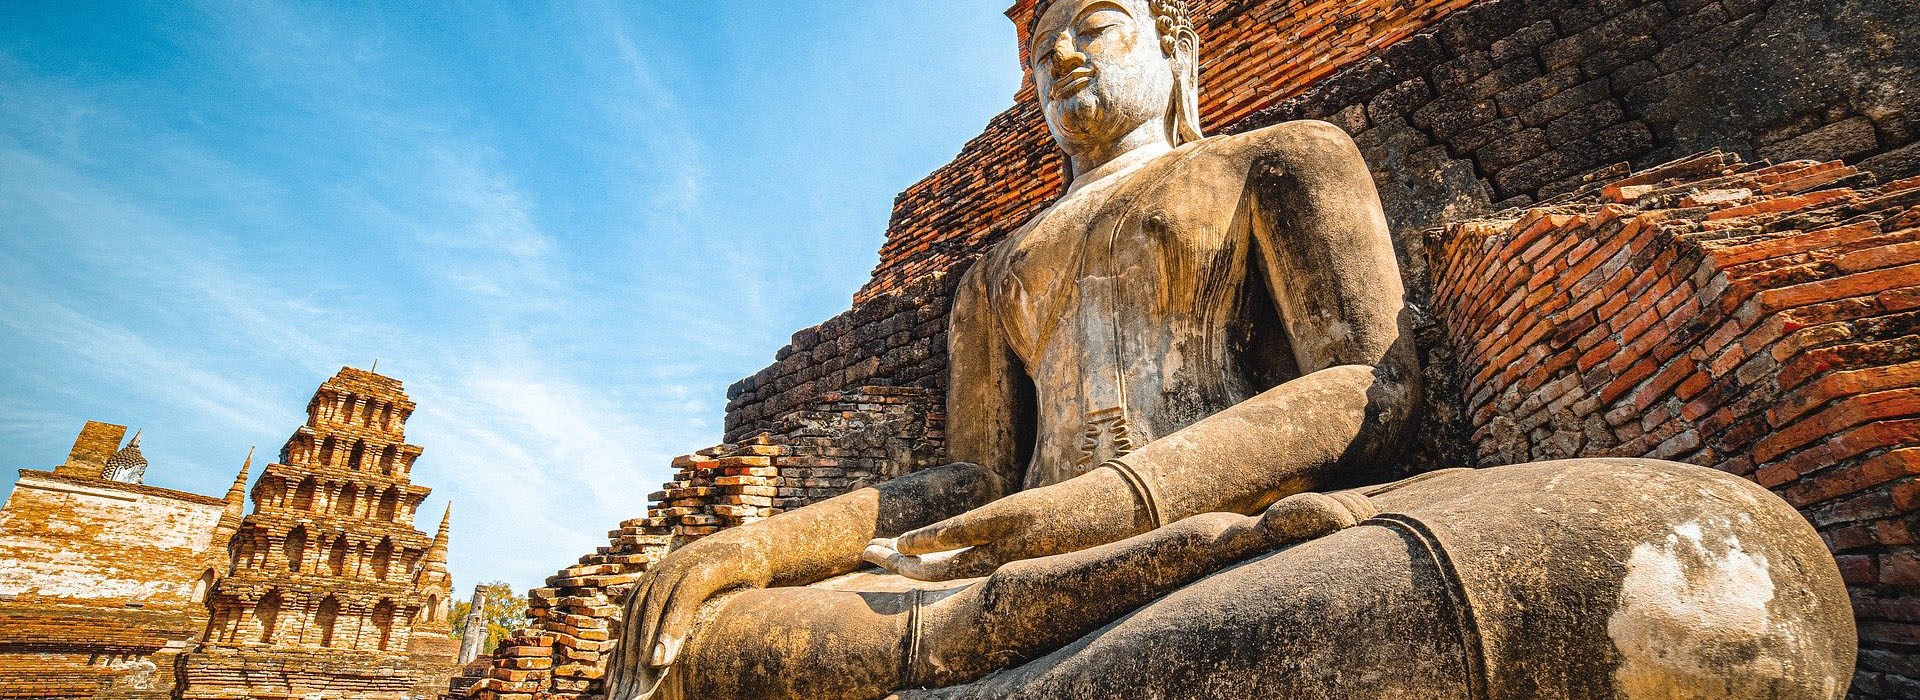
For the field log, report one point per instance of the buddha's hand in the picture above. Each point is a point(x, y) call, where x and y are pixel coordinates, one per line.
point(967, 545)
point(678, 585)
point(1083, 512)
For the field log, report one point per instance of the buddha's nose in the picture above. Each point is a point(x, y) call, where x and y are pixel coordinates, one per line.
point(1066, 56)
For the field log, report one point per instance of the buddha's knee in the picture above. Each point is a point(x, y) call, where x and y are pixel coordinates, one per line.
point(1640, 575)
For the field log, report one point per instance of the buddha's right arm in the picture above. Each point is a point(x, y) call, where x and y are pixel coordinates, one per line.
point(988, 405)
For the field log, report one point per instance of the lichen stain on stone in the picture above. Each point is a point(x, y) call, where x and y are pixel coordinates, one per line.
point(1692, 619)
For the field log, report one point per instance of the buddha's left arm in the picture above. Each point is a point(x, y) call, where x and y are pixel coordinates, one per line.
point(1322, 243)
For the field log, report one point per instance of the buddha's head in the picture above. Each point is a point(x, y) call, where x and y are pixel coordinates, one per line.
point(1105, 68)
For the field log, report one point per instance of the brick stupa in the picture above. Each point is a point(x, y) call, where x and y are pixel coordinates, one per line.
point(332, 591)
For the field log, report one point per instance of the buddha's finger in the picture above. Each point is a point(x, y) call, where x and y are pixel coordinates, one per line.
point(641, 640)
point(624, 655)
point(678, 621)
point(691, 590)
point(880, 553)
point(886, 557)
point(634, 639)
point(944, 566)
point(958, 532)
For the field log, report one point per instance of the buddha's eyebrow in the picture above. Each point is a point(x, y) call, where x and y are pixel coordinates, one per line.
point(1103, 5)
point(1077, 18)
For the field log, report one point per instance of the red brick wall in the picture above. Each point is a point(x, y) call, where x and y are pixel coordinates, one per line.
point(1760, 320)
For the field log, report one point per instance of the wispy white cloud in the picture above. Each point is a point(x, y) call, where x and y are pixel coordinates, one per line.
point(542, 456)
point(543, 459)
point(127, 360)
point(548, 221)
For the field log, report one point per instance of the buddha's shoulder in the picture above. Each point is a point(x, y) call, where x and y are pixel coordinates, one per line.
point(1301, 139)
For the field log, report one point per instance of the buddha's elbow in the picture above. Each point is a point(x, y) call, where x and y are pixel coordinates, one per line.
point(1388, 414)
point(1393, 401)
point(1389, 391)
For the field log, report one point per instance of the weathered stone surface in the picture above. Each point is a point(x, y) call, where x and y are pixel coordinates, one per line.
point(1150, 380)
point(1582, 611)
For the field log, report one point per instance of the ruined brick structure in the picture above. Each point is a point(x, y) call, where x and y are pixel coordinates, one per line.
point(329, 591)
point(103, 581)
point(1749, 317)
point(843, 441)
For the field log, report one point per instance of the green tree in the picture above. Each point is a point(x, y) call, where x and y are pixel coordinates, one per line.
point(501, 609)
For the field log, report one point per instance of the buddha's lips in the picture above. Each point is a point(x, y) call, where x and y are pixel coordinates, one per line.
point(1075, 81)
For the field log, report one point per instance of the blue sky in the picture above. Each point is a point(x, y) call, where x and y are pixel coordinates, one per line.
point(566, 227)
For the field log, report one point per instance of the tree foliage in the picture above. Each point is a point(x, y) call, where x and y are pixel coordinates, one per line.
point(501, 609)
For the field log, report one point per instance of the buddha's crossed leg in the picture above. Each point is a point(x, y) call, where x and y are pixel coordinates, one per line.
point(827, 642)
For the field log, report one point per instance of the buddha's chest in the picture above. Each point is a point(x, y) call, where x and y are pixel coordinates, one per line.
point(1147, 260)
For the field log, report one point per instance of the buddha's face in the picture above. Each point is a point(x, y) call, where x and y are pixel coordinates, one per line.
point(1100, 71)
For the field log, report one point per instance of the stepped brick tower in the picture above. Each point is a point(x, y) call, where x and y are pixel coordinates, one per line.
point(329, 583)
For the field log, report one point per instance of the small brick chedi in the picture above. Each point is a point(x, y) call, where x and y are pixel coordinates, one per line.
point(331, 592)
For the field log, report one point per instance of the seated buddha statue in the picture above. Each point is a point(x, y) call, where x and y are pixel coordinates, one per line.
point(1173, 395)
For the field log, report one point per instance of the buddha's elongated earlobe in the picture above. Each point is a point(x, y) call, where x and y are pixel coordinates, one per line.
point(1183, 120)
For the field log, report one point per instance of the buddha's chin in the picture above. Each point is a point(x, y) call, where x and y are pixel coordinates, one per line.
point(1081, 120)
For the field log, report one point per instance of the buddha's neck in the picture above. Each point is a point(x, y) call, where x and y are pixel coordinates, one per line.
point(1145, 143)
